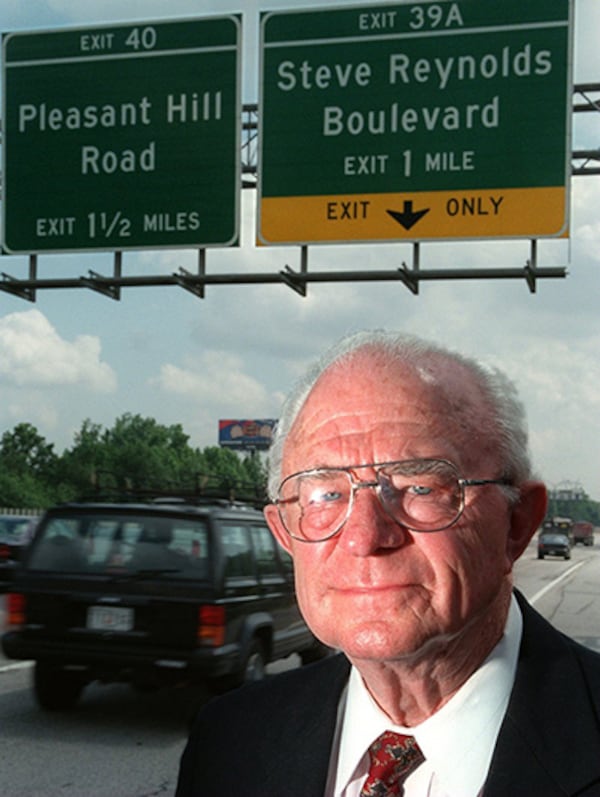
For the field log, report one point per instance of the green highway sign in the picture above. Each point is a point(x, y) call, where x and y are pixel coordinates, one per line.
point(415, 121)
point(122, 137)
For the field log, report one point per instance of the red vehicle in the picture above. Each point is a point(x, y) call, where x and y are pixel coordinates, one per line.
point(583, 531)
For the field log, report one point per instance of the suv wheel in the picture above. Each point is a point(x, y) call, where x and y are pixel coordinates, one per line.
point(55, 688)
point(253, 669)
point(255, 664)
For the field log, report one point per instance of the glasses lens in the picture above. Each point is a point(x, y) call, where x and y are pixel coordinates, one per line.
point(424, 495)
point(314, 505)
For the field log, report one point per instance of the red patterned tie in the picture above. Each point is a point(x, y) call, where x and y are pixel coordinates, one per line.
point(393, 758)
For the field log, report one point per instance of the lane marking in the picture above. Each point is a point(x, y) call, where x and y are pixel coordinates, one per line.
point(554, 583)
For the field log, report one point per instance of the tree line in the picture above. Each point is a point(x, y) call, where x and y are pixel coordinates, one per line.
point(137, 457)
point(583, 508)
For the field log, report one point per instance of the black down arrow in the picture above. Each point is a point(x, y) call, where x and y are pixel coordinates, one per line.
point(408, 217)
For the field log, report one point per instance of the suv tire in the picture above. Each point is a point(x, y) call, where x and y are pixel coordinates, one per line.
point(56, 689)
point(253, 669)
point(255, 663)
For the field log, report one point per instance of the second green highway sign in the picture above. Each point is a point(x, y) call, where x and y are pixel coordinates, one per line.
point(415, 120)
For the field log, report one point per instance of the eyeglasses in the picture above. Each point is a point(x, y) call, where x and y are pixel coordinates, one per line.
point(419, 494)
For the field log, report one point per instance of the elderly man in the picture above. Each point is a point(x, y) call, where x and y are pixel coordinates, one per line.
point(401, 486)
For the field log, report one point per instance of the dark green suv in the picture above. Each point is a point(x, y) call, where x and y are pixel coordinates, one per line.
point(152, 594)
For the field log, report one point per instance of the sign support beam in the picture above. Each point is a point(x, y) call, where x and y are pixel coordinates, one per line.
point(411, 277)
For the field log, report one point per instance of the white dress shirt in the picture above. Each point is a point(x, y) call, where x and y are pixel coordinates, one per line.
point(457, 741)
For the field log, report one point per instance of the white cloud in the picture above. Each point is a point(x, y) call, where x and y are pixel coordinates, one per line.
point(217, 379)
point(212, 385)
point(33, 355)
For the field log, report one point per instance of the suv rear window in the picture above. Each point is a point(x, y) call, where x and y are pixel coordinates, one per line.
point(111, 544)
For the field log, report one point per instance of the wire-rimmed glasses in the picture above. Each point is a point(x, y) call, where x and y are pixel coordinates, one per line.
point(419, 494)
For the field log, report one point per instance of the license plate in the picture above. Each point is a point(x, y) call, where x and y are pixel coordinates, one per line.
point(110, 618)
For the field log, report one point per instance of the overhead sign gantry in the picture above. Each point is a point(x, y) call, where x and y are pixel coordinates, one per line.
point(122, 136)
point(415, 121)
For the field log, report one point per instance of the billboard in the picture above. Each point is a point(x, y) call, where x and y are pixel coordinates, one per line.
point(246, 434)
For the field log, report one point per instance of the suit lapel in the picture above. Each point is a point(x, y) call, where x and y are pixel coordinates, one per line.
point(541, 748)
point(309, 731)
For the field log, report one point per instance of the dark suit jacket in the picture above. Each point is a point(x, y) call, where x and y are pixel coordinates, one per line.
point(273, 739)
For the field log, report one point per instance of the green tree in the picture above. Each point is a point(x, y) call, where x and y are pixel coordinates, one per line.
point(575, 504)
point(136, 456)
point(223, 471)
point(28, 467)
point(25, 450)
point(23, 491)
point(81, 465)
point(141, 453)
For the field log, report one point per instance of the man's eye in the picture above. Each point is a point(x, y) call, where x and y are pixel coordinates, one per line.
point(327, 497)
point(420, 489)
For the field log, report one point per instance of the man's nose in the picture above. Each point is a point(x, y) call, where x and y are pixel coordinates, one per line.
point(369, 529)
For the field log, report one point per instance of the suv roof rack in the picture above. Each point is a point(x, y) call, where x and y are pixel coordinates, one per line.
point(202, 500)
point(206, 490)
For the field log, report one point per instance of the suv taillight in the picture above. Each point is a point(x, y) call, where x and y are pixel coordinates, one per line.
point(15, 614)
point(211, 625)
point(4, 551)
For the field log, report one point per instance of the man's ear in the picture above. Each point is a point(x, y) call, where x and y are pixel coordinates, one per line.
point(526, 517)
point(271, 514)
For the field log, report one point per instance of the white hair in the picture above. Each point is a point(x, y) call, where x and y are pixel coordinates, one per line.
point(507, 412)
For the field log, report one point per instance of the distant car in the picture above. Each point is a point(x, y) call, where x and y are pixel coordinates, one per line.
point(559, 525)
point(16, 532)
point(554, 544)
point(153, 594)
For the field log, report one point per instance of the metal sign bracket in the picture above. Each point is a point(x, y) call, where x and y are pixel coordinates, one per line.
point(294, 280)
point(107, 286)
point(191, 282)
point(13, 285)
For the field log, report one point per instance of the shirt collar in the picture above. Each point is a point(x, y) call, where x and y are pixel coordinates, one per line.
point(478, 709)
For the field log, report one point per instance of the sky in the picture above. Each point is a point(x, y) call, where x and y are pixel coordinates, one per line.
point(161, 352)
